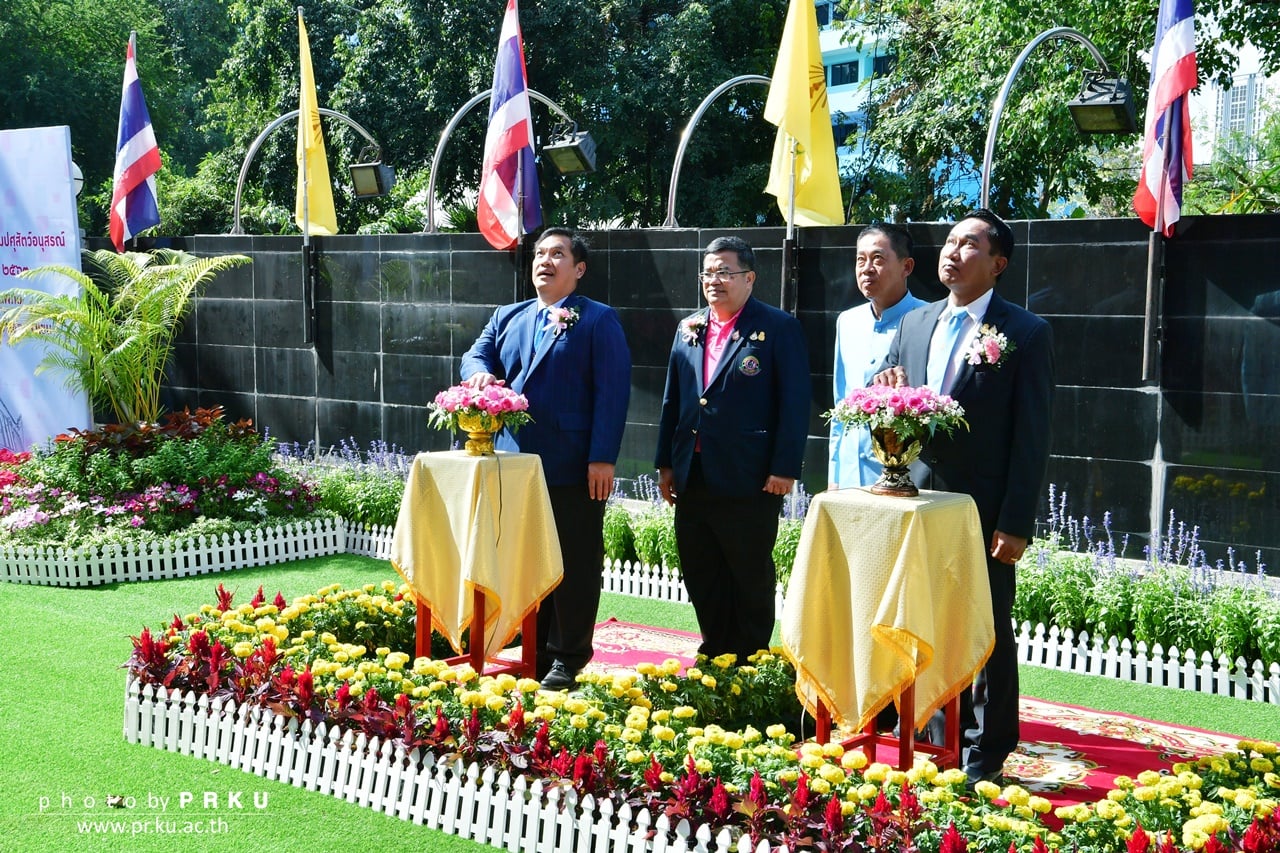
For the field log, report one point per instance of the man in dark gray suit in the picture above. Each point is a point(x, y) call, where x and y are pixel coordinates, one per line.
point(996, 360)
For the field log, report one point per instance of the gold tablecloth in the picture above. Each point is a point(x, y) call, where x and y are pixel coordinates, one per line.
point(887, 590)
point(477, 521)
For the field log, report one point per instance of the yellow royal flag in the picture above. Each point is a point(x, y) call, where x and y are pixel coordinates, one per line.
point(798, 106)
point(314, 210)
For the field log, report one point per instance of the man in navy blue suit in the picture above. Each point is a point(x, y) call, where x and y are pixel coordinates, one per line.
point(996, 360)
point(569, 356)
point(735, 416)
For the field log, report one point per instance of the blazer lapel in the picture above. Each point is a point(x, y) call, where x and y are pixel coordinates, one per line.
point(547, 340)
point(997, 312)
point(918, 367)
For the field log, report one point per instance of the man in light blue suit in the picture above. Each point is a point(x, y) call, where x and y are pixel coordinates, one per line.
point(735, 417)
point(568, 355)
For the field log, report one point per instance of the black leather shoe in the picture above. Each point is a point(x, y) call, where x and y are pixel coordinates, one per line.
point(559, 677)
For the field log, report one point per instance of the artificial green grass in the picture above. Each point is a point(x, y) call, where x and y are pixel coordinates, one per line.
point(62, 712)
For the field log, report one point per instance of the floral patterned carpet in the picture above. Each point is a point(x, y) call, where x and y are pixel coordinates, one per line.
point(1067, 754)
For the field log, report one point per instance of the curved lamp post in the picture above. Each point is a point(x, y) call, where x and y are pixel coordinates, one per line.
point(1119, 97)
point(448, 132)
point(267, 131)
point(670, 221)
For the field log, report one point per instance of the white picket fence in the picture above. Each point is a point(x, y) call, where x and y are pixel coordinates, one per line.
point(487, 806)
point(171, 558)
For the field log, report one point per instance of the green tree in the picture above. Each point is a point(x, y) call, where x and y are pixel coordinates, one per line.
point(929, 116)
point(1244, 175)
point(113, 338)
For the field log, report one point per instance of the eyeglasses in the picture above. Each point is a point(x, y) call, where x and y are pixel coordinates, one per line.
point(720, 275)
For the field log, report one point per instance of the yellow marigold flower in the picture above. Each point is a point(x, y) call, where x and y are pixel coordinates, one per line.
point(666, 777)
point(1145, 793)
point(693, 673)
point(242, 649)
point(865, 791)
point(708, 682)
point(820, 786)
point(357, 689)
point(578, 721)
point(447, 674)
point(775, 731)
point(788, 775)
point(668, 687)
point(832, 774)
point(1109, 810)
point(810, 748)
point(953, 776)
point(810, 761)
point(896, 777)
point(1149, 777)
point(1261, 765)
point(661, 715)
point(702, 765)
point(725, 660)
point(357, 651)
point(394, 677)
point(853, 760)
point(635, 756)
point(987, 790)
point(647, 669)
point(345, 673)
point(1016, 795)
point(683, 712)
point(631, 735)
point(877, 772)
point(665, 733)
point(751, 734)
point(1123, 782)
point(1116, 795)
point(670, 666)
point(466, 673)
point(395, 660)
point(1039, 805)
point(527, 685)
point(575, 705)
point(733, 740)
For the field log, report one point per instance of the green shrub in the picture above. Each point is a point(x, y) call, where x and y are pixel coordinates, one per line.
point(784, 547)
point(654, 531)
point(619, 541)
point(364, 495)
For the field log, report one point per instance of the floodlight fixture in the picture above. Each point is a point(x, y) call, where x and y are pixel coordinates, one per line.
point(1105, 105)
point(373, 179)
point(571, 151)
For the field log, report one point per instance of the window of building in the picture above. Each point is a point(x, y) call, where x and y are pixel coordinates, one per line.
point(844, 73)
point(883, 65)
point(829, 12)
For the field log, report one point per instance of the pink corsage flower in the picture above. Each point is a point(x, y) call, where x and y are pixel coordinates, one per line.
point(560, 320)
point(990, 348)
point(692, 327)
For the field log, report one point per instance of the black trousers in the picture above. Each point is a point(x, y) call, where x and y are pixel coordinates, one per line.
point(726, 559)
point(567, 617)
point(989, 712)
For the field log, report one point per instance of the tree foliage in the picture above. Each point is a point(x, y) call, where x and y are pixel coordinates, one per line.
point(930, 116)
point(1244, 176)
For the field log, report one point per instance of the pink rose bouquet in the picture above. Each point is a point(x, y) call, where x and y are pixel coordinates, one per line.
point(495, 404)
point(906, 411)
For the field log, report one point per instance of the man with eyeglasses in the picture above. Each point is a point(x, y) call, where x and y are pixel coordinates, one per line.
point(731, 438)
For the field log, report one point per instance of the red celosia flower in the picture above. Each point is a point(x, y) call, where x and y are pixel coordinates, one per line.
point(562, 764)
point(304, 691)
point(1214, 845)
point(756, 793)
point(342, 697)
point(515, 723)
point(472, 727)
point(718, 804)
point(800, 796)
point(542, 744)
point(909, 804)
point(653, 774)
point(833, 817)
point(881, 806)
point(279, 602)
point(601, 754)
point(258, 598)
point(1139, 841)
point(224, 598)
point(177, 624)
point(198, 644)
point(1166, 844)
point(440, 731)
point(583, 772)
point(1039, 846)
point(953, 841)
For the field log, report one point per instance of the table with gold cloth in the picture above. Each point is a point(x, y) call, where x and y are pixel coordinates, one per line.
point(887, 593)
point(477, 533)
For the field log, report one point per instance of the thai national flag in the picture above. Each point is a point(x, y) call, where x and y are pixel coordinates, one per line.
point(1166, 149)
point(509, 203)
point(133, 196)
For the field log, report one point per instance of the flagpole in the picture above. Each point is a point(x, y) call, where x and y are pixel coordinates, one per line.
point(1153, 334)
point(308, 290)
point(786, 296)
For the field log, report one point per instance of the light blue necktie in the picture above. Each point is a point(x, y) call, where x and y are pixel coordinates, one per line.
point(540, 330)
point(940, 357)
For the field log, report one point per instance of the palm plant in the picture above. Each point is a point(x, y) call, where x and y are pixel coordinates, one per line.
point(113, 338)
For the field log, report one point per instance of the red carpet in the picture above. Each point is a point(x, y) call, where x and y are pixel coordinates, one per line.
point(1067, 754)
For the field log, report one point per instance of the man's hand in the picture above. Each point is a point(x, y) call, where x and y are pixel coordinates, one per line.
point(600, 480)
point(776, 485)
point(667, 485)
point(894, 377)
point(479, 380)
point(1006, 547)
